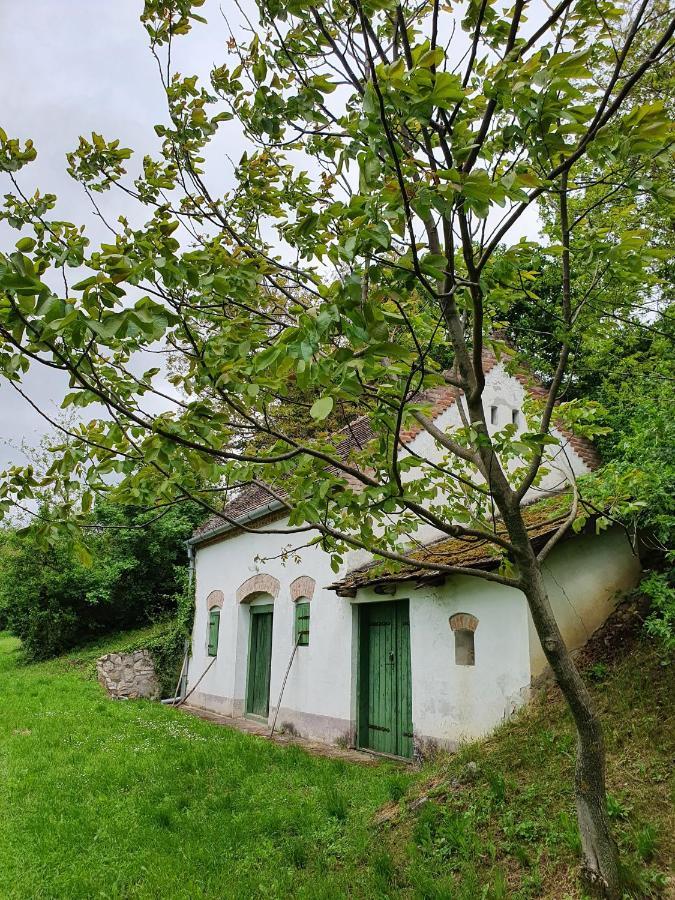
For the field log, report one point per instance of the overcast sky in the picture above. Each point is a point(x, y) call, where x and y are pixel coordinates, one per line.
point(70, 67)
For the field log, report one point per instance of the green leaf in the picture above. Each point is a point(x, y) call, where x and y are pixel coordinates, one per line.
point(83, 555)
point(431, 58)
point(321, 408)
point(370, 101)
point(447, 90)
point(85, 283)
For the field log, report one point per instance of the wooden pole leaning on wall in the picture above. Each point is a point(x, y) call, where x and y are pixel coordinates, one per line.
point(281, 693)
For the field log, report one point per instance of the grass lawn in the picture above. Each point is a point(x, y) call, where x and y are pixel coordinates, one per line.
point(115, 799)
point(122, 800)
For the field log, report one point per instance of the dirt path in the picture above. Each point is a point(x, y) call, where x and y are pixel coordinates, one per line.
point(262, 730)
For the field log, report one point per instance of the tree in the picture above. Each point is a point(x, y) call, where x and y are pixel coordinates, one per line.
point(372, 231)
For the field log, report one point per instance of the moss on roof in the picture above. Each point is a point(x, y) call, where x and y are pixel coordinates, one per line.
point(542, 519)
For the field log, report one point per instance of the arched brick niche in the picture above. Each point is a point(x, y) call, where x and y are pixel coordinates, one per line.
point(464, 626)
point(215, 600)
point(463, 622)
point(258, 584)
point(302, 587)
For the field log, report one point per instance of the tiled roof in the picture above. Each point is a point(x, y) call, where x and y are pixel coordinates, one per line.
point(357, 435)
point(254, 498)
point(542, 519)
point(251, 499)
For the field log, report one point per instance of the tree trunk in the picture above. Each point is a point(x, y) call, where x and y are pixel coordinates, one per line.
point(600, 856)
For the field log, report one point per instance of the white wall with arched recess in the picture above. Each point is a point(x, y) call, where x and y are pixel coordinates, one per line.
point(317, 697)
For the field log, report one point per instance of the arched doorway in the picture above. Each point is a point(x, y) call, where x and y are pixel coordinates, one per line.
point(258, 592)
point(259, 661)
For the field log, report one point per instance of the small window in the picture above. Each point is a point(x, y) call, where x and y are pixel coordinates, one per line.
point(515, 417)
point(302, 623)
point(493, 415)
point(465, 654)
point(214, 627)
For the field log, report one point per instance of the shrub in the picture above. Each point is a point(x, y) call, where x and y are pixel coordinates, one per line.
point(659, 587)
point(53, 600)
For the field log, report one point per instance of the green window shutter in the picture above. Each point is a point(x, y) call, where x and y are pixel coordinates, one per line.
point(214, 623)
point(302, 624)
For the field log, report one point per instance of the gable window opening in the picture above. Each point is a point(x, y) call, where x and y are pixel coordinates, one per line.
point(465, 651)
point(493, 415)
point(515, 418)
point(302, 623)
point(214, 628)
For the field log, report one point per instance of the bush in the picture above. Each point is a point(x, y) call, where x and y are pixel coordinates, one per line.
point(168, 650)
point(54, 601)
point(659, 587)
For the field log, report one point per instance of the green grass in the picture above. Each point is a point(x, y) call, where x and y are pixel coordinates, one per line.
point(136, 800)
point(132, 799)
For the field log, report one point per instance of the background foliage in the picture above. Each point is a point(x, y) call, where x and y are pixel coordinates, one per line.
point(54, 599)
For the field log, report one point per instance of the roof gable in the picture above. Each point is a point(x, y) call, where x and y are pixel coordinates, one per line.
point(255, 500)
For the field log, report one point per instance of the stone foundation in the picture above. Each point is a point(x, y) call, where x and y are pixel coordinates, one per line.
point(128, 676)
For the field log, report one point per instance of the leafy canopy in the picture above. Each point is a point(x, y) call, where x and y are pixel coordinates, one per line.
point(368, 251)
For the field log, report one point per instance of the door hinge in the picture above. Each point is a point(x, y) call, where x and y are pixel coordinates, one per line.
point(377, 727)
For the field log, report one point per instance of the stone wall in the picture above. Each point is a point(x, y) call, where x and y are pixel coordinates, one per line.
point(128, 676)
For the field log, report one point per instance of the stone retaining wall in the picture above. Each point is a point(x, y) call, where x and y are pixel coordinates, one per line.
point(128, 676)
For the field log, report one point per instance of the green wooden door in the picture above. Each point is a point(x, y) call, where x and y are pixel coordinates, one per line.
point(259, 662)
point(403, 681)
point(385, 707)
point(380, 727)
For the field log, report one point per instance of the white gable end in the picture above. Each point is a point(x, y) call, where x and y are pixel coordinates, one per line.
point(505, 395)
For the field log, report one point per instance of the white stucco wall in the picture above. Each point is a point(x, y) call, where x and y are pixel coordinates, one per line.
point(317, 697)
point(585, 576)
point(450, 702)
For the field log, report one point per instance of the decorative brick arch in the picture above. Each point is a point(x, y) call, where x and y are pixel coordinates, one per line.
point(302, 587)
point(215, 600)
point(258, 584)
point(463, 622)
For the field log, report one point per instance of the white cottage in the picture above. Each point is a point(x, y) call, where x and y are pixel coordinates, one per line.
point(391, 663)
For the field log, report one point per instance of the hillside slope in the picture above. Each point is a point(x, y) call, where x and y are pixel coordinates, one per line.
point(497, 820)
